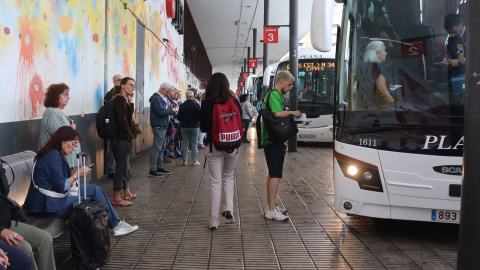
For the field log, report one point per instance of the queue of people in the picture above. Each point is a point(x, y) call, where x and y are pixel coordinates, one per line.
point(55, 168)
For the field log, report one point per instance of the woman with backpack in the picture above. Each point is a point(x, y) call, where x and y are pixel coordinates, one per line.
point(220, 118)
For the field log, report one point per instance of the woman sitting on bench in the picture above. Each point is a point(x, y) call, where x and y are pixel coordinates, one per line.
point(52, 173)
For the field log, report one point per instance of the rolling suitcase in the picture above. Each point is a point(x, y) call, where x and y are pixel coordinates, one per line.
point(89, 232)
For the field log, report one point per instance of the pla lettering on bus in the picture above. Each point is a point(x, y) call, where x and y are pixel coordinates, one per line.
point(433, 140)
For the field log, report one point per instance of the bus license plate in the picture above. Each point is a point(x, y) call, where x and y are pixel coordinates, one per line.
point(445, 215)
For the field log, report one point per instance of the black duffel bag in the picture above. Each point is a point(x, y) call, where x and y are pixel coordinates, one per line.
point(280, 129)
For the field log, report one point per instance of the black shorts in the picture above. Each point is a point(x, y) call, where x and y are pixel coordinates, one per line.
point(275, 155)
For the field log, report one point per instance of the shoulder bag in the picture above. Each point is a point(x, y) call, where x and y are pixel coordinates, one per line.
point(279, 129)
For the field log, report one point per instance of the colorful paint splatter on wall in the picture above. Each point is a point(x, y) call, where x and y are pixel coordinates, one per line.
point(82, 43)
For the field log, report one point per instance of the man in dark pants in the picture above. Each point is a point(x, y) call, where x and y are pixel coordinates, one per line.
point(275, 153)
point(160, 111)
point(110, 160)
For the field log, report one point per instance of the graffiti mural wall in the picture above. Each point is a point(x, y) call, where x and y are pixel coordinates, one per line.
point(82, 43)
point(45, 42)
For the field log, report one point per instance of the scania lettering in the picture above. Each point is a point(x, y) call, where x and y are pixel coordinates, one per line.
point(398, 107)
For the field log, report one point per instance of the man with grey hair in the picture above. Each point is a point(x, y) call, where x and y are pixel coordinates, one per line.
point(275, 153)
point(116, 82)
point(160, 110)
point(110, 160)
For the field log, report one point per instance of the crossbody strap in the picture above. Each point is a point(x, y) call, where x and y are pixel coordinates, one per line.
point(44, 191)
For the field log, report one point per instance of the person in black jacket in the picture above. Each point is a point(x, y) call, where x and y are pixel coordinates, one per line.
point(110, 160)
point(218, 91)
point(34, 242)
point(189, 116)
point(122, 142)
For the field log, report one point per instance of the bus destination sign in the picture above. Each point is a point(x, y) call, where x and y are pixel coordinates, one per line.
point(315, 66)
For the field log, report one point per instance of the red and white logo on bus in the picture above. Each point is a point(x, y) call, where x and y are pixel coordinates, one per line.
point(414, 48)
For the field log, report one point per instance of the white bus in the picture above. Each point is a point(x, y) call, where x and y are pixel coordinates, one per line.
point(398, 138)
point(316, 80)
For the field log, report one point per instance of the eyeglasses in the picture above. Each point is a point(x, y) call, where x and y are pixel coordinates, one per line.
point(74, 144)
point(131, 85)
point(67, 95)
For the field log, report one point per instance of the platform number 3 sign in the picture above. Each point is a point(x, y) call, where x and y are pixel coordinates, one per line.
point(270, 34)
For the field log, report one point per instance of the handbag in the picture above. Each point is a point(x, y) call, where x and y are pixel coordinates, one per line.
point(135, 128)
point(279, 129)
point(170, 128)
point(16, 211)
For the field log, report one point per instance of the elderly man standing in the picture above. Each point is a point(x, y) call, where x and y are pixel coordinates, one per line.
point(110, 160)
point(160, 110)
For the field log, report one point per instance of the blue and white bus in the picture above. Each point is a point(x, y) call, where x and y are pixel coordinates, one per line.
point(316, 80)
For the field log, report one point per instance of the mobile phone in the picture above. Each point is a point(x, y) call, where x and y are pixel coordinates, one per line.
point(91, 165)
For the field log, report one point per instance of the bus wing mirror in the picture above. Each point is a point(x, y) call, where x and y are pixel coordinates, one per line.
point(266, 76)
point(321, 24)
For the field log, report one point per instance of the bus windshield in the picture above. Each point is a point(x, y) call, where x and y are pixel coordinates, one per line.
point(315, 86)
point(402, 74)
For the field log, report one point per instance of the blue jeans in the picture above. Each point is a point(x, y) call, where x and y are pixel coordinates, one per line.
point(17, 259)
point(93, 191)
point(158, 147)
point(189, 134)
point(246, 124)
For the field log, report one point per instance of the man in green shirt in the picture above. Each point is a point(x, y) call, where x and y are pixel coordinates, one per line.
point(275, 153)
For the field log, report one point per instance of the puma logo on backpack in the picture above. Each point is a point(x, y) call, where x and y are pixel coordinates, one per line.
point(227, 126)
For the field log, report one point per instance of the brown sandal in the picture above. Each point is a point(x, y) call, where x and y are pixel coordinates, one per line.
point(121, 203)
point(130, 196)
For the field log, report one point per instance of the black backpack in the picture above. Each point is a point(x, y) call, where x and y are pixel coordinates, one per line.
point(106, 120)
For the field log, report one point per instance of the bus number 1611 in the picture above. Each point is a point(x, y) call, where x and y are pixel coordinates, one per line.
point(368, 142)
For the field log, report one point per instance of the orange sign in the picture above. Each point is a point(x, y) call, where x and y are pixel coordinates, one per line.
point(252, 63)
point(270, 34)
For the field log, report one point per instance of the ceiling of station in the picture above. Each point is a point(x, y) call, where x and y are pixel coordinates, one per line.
point(225, 27)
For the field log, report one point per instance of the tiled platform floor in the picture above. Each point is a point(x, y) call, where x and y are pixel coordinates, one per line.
point(172, 215)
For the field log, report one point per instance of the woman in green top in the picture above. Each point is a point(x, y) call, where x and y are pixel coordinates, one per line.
point(56, 98)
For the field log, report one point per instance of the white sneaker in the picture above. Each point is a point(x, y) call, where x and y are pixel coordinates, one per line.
point(281, 210)
point(276, 215)
point(196, 163)
point(124, 228)
point(184, 163)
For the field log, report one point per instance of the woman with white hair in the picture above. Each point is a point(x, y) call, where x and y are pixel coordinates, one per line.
point(189, 116)
point(376, 55)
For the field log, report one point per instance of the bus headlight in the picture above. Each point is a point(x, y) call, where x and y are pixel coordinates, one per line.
point(367, 175)
point(352, 170)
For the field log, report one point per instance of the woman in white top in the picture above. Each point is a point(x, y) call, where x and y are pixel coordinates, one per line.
point(247, 115)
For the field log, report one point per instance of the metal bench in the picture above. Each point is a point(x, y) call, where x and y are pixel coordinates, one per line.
point(22, 166)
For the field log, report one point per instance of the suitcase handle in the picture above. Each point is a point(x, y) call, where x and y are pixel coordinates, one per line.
point(79, 155)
